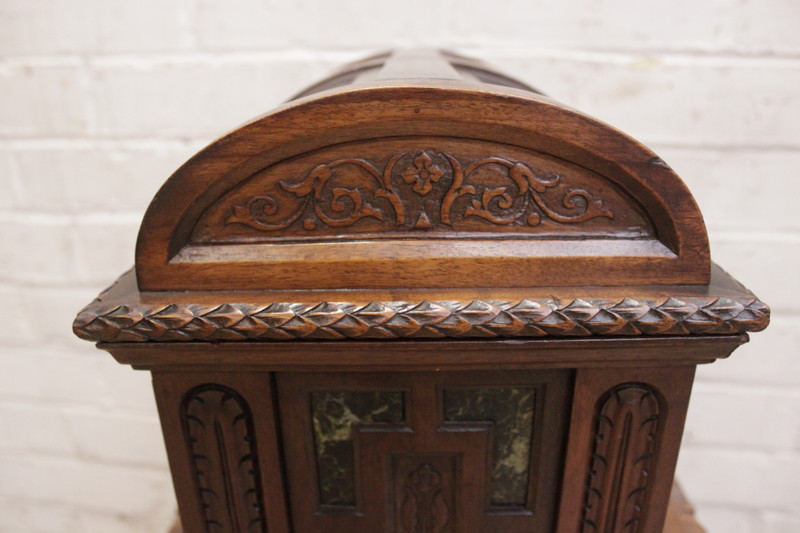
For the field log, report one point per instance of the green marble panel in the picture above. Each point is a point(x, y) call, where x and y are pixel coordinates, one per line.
point(333, 415)
point(511, 410)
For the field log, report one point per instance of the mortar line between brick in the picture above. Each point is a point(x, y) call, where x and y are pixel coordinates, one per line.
point(703, 386)
point(21, 142)
point(136, 415)
point(747, 449)
point(615, 54)
point(80, 409)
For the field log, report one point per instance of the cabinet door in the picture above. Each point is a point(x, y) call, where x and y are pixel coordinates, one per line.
point(399, 452)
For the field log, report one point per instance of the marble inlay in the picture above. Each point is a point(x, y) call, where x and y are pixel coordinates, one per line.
point(511, 411)
point(333, 415)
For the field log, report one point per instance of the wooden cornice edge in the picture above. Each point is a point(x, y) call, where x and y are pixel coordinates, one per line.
point(675, 315)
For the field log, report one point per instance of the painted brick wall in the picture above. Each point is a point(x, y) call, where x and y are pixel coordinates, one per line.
point(101, 100)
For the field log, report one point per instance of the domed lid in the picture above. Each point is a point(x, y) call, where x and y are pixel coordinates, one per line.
point(421, 195)
point(424, 170)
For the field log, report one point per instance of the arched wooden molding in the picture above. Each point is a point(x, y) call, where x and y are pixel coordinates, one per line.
point(427, 178)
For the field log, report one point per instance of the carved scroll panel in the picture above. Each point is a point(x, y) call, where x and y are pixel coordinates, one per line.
point(421, 188)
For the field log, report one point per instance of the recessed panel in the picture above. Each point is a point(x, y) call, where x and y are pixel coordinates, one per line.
point(511, 411)
point(334, 415)
point(423, 452)
point(421, 188)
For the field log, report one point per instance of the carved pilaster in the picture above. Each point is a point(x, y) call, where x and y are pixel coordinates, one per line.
point(219, 432)
point(626, 433)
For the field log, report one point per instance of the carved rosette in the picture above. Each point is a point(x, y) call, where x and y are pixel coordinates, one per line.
point(424, 190)
point(626, 433)
point(219, 432)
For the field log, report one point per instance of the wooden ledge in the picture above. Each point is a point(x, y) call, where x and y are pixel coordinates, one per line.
point(123, 314)
point(680, 515)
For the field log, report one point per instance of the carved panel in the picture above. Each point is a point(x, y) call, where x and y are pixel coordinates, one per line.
point(626, 433)
point(423, 467)
point(420, 188)
point(511, 411)
point(334, 415)
point(424, 496)
point(219, 432)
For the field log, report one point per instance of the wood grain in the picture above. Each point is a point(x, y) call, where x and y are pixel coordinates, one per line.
point(121, 315)
point(626, 434)
point(235, 486)
point(218, 425)
point(452, 124)
point(666, 394)
point(520, 292)
point(680, 515)
point(387, 456)
point(420, 188)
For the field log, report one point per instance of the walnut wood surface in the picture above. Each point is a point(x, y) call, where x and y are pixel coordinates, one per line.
point(449, 176)
point(429, 355)
point(624, 488)
point(218, 424)
point(627, 430)
point(203, 477)
point(680, 515)
point(414, 224)
point(456, 453)
point(124, 315)
point(420, 188)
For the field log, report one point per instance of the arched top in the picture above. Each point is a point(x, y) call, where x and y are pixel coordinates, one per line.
point(445, 178)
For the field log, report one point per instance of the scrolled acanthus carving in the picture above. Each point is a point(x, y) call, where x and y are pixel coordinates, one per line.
point(626, 434)
point(219, 432)
point(427, 185)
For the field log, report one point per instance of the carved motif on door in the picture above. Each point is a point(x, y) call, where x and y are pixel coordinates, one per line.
point(424, 496)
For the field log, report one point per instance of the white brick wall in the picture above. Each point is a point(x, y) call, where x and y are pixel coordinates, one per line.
point(102, 99)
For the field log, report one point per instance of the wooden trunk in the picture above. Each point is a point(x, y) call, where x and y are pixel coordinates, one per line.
point(422, 297)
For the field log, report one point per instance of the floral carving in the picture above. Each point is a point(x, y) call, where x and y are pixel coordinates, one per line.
point(259, 208)
point(335, 195)
point(423, 174)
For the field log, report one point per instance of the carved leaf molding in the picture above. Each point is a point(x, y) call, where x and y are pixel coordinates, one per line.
point(218, 430)
point(391, 320)
point(526, 198)
point(626, 433)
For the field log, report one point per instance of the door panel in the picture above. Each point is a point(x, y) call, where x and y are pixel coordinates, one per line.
point(424, 452)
